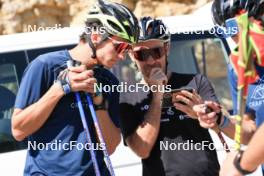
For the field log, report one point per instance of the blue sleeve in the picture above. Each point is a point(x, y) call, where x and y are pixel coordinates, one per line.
point(33, 84)
point(232, 79)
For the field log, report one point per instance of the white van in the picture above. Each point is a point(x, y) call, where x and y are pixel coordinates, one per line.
point(191, 43)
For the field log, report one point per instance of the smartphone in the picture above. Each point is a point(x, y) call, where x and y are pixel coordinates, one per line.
point(167, 97)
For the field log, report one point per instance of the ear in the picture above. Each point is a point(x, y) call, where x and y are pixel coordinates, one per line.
point(95, 38)
point(167, 48)
point(131, 55)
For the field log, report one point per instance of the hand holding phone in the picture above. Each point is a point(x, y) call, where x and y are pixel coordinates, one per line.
point(168, 97)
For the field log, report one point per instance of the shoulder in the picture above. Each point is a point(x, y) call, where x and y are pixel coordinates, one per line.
point(107, 74)
point(53, 59)
point(185, 79)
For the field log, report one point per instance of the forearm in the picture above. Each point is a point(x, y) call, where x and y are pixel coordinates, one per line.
point(254, 154)
point(142, 141)
point(111, 134)
point(30, 119)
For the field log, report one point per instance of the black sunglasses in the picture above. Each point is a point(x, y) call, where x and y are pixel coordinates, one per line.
point(144, 54)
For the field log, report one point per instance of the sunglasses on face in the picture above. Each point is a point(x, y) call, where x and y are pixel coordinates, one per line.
point(120, 47)
point(144, 54)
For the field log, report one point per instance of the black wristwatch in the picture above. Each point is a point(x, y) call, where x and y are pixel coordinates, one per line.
point(102, 106)
point(237, 164)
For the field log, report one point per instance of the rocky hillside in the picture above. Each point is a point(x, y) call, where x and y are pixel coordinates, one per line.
point(17, 15)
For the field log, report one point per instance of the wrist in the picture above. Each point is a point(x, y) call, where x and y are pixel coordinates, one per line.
point(238, 166)
point(63, 80)
point(100, 102)
point(224, 122)
point(58, 89)
point(98, 98)
point(158, 95)
point(246, 165)
point(157, 98)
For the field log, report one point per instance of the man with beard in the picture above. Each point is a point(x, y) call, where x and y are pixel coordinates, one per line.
point(153, 131)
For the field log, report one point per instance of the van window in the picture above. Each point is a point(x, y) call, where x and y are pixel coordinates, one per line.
point(211, 57)
point(8, 91)
point(17, 58)
point(182, 58)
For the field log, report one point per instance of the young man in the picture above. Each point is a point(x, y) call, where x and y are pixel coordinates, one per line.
point(148, 128)
point(46, 111)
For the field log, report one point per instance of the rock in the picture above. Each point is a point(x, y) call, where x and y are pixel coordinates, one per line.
point(16, 15)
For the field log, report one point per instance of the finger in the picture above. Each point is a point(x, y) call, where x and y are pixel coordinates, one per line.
point(210, 121)
point(163, 78)
point(206, 125)
point(199, 109)
point(155, 69)
point(83, 76)
point(78, 69)
point(183, 108)
point(198, 99)
point(79, 86)
point(89, 90)
point(159, 77)
point(194, 98)
point(200, 114)
point(213, 105)
point(187, 94)
point(158, 74)
point(210, 116)
point(184, 100)
point(91, 81)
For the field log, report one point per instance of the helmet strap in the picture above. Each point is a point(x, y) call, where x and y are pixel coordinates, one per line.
point(93, 46)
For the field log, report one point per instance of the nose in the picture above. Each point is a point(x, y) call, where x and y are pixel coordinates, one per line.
point(150, 60)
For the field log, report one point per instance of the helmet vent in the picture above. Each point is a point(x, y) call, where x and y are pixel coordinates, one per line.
point(128, 30)
point(116, 27)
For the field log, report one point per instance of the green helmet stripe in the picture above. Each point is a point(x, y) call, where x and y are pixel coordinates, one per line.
point(104, 20)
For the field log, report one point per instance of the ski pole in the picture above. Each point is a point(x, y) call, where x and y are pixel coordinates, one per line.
point(84, 123)
point(100, 136)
